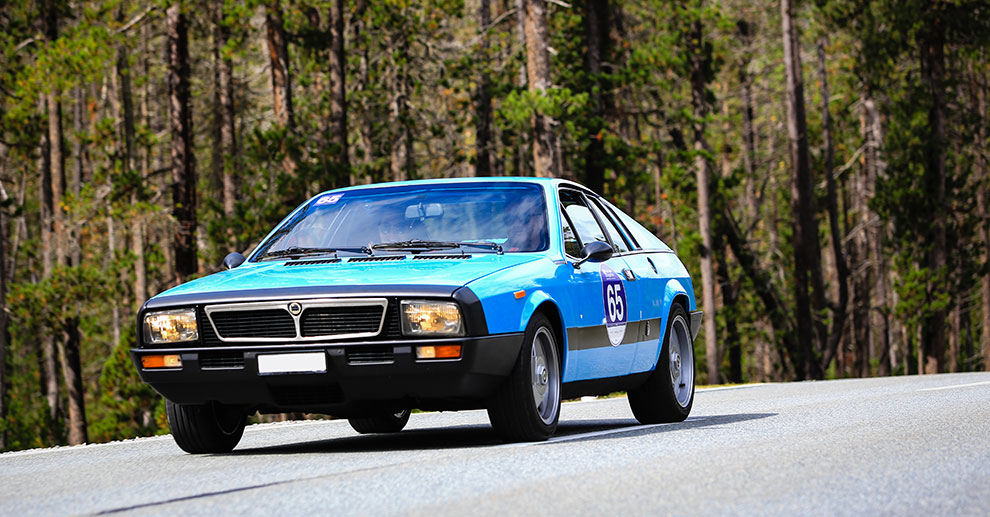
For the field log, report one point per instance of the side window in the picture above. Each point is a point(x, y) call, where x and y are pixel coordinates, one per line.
point(585, 225)
point(644, 237)
point(617, 238)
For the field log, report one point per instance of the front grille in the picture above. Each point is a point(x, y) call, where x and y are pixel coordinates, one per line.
point(221, 360)
point(393, 327)
point(312, 395)
point(206, 333)
point(370, 355)
point(311, 262)
point(329, 321)
point(389, 258)
point(441, 257)
point(266, 323)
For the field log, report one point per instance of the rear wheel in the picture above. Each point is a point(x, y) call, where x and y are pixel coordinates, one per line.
point(526, 407)
point(205, 428)
point(668, 394)
point(390, 423)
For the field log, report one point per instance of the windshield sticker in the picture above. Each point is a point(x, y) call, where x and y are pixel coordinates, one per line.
point(614, 297)
point(328, 199)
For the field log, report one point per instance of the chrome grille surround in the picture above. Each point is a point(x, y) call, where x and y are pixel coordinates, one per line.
point(283, 305)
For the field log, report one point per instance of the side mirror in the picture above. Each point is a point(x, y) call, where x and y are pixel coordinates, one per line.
point(233, 260)
point(595, 251)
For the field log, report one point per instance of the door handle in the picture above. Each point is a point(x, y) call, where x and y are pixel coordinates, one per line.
point(629, 274)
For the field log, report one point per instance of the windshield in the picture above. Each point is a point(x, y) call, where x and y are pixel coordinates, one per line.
point(478, 217)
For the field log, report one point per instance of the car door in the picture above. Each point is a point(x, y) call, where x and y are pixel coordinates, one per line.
point(603, 317)
point(645, 266)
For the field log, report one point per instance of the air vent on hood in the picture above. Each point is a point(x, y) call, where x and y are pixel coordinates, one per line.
point(389, 258)
point(312, 262)
point(441, 257)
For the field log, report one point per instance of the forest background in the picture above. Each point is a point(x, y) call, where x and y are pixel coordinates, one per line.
point(821, 166)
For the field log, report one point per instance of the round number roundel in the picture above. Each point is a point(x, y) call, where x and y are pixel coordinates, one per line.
point(616, 308)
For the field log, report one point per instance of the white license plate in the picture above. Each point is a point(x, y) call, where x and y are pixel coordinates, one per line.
point(311, 362)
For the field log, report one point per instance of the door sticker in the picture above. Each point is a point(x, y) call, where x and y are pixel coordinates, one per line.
point(616, 308)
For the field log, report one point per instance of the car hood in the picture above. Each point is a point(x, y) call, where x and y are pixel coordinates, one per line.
point(311, 279)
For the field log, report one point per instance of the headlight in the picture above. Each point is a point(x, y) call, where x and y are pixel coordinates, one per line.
point(170, 326)
point(427, 318)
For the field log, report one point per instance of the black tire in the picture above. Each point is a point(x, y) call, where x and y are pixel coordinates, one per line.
point(656, 400)
point(207, 428)
point(513, 411)
point(390, 423)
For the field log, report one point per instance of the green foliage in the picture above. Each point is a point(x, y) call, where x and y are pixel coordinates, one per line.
point(127, 407)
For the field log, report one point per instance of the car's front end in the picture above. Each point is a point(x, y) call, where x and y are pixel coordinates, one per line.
point(344, 309)
point(324, 350)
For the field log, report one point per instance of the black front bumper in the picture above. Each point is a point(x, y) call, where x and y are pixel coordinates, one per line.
point(361, 378)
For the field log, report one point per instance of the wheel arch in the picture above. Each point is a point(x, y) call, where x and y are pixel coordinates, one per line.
point(542, 302)
point(674, 293)
point(550, 310)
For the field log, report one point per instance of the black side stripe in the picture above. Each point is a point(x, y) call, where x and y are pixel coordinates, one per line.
point(596, 336)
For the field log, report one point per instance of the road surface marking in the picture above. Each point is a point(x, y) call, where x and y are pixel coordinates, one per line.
point(956, 386)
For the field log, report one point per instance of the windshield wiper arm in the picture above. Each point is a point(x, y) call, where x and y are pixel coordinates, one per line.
point(296, 251)
point(413, 244)
point(483, 244)
point(429, 245)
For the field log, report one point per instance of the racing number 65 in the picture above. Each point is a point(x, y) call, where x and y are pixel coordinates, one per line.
point(616, 310)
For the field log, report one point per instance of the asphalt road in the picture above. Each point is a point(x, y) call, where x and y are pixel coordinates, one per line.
point(903, 445)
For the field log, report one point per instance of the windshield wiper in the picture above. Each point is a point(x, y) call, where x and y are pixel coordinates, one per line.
point(435, 245)
point(296, 251)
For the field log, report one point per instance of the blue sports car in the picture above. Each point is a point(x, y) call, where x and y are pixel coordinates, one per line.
point(509, 294)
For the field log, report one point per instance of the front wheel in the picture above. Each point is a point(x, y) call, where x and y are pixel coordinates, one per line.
point(526, 407)
point(205, 428)
point(668, 394)
point(390, 423)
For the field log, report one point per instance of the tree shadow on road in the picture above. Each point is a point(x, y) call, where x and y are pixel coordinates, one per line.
point(480, 436)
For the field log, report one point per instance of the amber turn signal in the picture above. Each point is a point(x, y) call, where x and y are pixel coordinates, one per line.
point(438, 352)
point(161, 361)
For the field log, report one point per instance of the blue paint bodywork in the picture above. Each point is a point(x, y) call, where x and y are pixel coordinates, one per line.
point(549, 279)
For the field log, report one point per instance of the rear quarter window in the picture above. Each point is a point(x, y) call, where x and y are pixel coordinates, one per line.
point(644, 237)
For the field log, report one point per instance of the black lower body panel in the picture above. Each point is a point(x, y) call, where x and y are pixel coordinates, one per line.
point(360, 379)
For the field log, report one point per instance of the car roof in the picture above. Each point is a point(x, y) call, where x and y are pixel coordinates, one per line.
point(551, 182)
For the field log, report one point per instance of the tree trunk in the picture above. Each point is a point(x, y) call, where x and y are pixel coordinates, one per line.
point(597, 34)
point(842, 270)
point(807, 257)
point(749, 148)
point(401, 150)
point(49, 361)
point(933, 72)
point(483, 96)
point(982, 173)
point(183, 163)
point(546, 161)
point(338, 95)
point(278, 54)
point(229, 153)
point(520, 32)
point(3, 305)
point(126, 101)
point(733, 342)
point(699, 89)
point(57, 177)
point(72, 369)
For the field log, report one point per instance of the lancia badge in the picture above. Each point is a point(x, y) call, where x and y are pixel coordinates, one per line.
point(295, 308)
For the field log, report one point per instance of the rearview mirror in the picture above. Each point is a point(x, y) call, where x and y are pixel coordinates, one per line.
point(233, 260)
point(595, 251)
